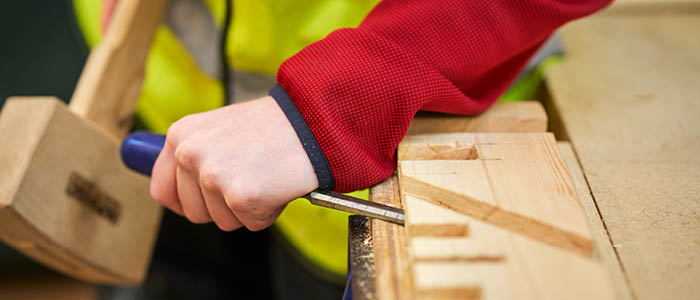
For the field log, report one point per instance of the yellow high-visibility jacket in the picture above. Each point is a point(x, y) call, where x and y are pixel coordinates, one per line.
point(265, 33)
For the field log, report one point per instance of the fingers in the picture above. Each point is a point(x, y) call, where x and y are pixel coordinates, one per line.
point(191, 197)
point(254, 213)
point(163, 186)
point(216, 204)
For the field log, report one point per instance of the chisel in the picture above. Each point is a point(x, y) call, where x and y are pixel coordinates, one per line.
point(140, 150)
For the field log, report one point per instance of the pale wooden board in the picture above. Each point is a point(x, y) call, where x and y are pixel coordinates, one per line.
point(389, 244)
point(392, 278)
point(493, 263)
point(518, 182)
point(627, 94)
point(652, 7)
point(604, 249)
point(525, 116)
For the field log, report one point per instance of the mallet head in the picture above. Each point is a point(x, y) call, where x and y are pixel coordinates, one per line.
point(67, 200)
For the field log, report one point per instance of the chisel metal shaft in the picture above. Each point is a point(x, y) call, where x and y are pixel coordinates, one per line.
point(356, 205)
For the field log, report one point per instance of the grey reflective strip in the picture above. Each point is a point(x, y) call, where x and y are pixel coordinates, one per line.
point(194, 27)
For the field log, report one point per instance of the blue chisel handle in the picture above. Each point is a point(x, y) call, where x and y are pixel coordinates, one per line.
point(140, 150)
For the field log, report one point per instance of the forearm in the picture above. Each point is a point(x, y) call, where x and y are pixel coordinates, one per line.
point(358, 89)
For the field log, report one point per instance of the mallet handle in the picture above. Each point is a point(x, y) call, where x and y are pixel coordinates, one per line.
point(110, 85)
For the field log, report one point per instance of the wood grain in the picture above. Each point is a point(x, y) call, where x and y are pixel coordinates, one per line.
point(454, 151)
point(497, 261)
point(653, 7)
point(518, 183)
point(389, 241)
point(627, 94)
point(524, 116)
point(392, 278)
point(110, 84)
point(41, 219)
point(605, 251)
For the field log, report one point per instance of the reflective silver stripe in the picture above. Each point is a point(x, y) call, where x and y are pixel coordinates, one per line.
point(358, 206)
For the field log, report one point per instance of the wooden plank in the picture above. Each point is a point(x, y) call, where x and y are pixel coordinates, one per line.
point(653, 7)
point(497, 261)
point(525, 116)
point(604, 248)
point(627, 95)
point(498, 187)
point(392, 278)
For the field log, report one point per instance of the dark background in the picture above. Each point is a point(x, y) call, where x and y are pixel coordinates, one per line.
point(42, 50)
point(41, 54)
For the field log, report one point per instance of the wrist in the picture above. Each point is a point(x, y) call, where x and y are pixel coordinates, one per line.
point(313, 152)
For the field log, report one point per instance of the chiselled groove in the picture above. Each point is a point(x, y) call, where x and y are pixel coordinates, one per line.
point(494, 259)
point(439, 230)
point(511, 221)
point(453, 151)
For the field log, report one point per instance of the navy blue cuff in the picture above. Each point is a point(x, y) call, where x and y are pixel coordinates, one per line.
point(311, 146)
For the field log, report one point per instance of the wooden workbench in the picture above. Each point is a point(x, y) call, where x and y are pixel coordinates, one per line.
point(625, 104)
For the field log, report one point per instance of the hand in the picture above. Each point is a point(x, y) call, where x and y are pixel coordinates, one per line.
point(237, 166)
point(108, 8)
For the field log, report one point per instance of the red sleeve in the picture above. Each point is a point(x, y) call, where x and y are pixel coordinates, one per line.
point(359, 88)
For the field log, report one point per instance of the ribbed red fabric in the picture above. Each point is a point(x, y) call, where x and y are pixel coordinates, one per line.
point(359, 88)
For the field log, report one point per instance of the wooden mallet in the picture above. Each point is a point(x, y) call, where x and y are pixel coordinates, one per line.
point(66, 200)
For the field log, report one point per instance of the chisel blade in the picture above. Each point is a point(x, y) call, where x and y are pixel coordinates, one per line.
point(356, 205)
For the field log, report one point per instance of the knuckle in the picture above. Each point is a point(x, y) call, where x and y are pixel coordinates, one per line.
point(241, 199)
point(160, 195)
point(174, 134)
point(209, 179)
point(186, 156)
point(178, 131)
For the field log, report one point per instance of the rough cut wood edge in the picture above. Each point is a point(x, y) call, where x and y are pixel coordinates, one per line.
point(392, 268)
point(524, 116)
point(494, 215)
point(604, 248)
point(361, 257)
